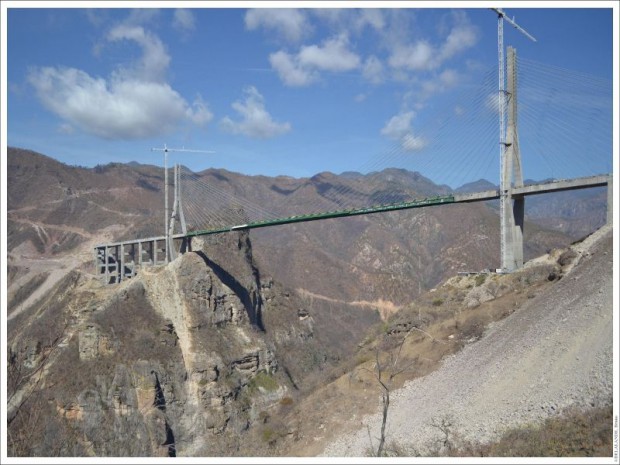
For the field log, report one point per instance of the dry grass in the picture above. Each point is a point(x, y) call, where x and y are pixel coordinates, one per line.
point(577, 433)
point(435, 331)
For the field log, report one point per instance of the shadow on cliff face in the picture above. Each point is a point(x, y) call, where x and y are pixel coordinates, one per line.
point(250, 299)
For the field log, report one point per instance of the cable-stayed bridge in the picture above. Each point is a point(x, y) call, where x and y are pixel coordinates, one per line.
point(560, 130)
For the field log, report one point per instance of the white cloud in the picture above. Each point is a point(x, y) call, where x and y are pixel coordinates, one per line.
point(96, 16)
point(142, 16)
point(414, 57)
point(399, 51)
point(333, 55)
point(462, 36)
point(291, 24)
point(373, 70)
point(290, 70)
point(399, 128)
point(333, 16)
point(359, 98)
point(134, 102)
point(303, 68)
point(120, 109)
point(424, 56)
point(155, 59)
point(447, 79)
point(355, 20)
point(412, 143)
point(428, 88)
point(184, 20)
point(255, 120)
point(199, 112)
point(371, 17)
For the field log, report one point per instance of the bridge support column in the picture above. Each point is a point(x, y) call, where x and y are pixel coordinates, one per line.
point(106, 260)
point(98, 261)
point(518, 214)
point(512, 231)
point(186, 245)
point(512, 208)
point(121, 261)
point(140, 255)
point(117, 259)
point(132, 264)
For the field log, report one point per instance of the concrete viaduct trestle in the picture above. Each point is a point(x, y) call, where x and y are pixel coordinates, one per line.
point(117, 261)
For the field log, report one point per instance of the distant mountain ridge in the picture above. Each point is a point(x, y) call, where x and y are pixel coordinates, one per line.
point(476, 186)
point(390, 256)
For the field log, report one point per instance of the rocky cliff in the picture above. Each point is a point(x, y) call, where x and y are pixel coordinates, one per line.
point(186, 359)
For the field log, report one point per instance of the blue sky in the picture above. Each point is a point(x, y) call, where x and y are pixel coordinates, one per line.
point(286, 91)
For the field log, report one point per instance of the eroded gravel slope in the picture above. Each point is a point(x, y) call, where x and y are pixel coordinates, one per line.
point(553, 352)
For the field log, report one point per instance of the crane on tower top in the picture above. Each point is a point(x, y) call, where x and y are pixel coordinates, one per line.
point(502, 15)
point(504, 195)
point(177, 207)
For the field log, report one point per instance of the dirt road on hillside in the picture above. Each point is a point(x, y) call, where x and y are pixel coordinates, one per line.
point(555, 351)
point(57, 268)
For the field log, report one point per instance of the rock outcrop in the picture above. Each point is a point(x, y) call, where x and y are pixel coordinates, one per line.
point(178, 361)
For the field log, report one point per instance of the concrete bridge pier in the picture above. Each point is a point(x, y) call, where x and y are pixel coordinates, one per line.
point(512, 208)
point(121, 260)
point(518, 214)
point(512, 231)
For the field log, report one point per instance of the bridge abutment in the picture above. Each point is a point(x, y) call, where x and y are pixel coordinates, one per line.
point(122, 260)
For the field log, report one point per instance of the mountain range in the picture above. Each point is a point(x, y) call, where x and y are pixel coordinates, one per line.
point(250, 343)
point(391, 257)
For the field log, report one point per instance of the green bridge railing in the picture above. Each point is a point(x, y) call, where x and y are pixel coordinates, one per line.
point(438, 200)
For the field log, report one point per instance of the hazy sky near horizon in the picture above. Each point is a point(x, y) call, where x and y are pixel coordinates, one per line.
point(284, 91)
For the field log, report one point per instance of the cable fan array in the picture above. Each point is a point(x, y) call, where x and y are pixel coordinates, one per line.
point(564, 125)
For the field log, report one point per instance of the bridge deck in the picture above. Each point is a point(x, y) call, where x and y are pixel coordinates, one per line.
point(439, 200)
point(124, 257)
point(535, 189)
point(532, 189)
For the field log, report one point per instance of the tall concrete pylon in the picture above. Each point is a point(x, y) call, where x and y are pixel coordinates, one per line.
point(513, 207)
point(177, 215)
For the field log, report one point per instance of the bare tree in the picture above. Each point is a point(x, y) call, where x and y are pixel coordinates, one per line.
point(384, 372)
point(445, 424)
point(388, 365)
